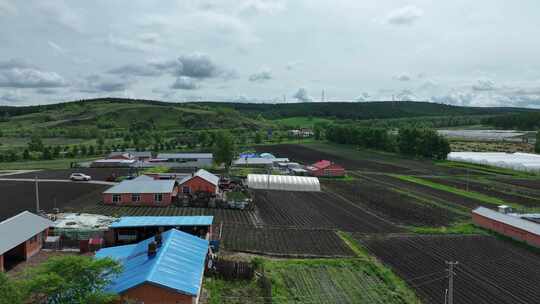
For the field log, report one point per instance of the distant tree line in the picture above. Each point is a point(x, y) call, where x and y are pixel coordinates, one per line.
point(521, 121)
point(412, 141)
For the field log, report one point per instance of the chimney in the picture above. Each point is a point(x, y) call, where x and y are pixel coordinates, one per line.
point(158, 239)
point(152, 250)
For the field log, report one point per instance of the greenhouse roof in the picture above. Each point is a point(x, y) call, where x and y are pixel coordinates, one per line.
point(283, 182)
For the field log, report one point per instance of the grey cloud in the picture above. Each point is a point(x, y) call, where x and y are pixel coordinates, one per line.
point(197, 66)
point(402, 77)
point(302, 95)
point(7, 8)
point(363, 97)
point(484, 85)
point(57, 48)
point(11, 97)
point(185, 83)
point(261, 76)
point(404, 16)
point(135, 70)
point(45, 91)
point(98, 84)
point(18, 74)
point(406, 95)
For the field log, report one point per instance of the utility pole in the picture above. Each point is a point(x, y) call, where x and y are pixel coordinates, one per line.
point(322, 96)
point(37, 195)
point(451, 281)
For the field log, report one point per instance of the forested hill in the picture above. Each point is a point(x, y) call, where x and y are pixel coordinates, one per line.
point(341, 110)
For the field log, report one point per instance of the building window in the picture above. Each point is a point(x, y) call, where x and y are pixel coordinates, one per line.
point(158, 197)
point(186, 190)
point(116, 198)
point(135, 197)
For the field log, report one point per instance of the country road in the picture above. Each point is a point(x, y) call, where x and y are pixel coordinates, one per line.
point(57, 181)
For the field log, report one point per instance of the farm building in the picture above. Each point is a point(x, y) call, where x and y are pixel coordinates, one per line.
point(113, 163)
point(129, 229)
point(186, 160)
point(77, 229)
point(326, 168)
point(142, 191)
point(291, 168)
point(200, 181)
point(165, 269)
point(508, 225)
point(136, 155)
point(283, 182)
point(259, 161)
point(21, 237)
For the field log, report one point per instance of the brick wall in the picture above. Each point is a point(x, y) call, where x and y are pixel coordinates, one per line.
point(508, 230)
point(148, 293)
point(198, 184)
point(147, 199)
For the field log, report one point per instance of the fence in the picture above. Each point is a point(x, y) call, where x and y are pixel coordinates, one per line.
point(234, 270)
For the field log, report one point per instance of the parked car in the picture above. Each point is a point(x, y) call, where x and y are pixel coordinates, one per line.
point(79, 177)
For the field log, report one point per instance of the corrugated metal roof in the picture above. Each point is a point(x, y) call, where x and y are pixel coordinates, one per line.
point(259, 161)
point(133, 153)
point(145, 221)
point(508, 219)
point(177, 265)
point(283, 182)
point(20, 228)
point(207, 176)
point(184, 155)
point(142, 185)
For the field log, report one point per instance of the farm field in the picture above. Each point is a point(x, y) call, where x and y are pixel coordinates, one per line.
point(453, 200)
point(284, 242)
point(20, 196)
point(392, 204)
point(533, 184)
point(317, 210)
point(331, 281)
point(490, 270)
point(488, 189)
point(307, 155)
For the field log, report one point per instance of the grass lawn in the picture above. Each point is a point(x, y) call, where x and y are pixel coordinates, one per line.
point(484, 168)
point(460, 228)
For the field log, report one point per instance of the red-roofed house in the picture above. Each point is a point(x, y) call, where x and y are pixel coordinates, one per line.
point(326, 168)
point(200, 181)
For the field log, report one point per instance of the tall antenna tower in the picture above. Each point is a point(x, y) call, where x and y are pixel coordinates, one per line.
point(323, 97)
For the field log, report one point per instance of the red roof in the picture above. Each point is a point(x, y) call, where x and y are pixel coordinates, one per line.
point(322, 164)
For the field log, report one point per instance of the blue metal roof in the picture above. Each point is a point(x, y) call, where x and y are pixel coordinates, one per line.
point(146, 221)
point(177, 265)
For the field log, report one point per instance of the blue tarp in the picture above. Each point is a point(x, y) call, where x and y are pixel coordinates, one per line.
point(147, 221)
point(177, 265)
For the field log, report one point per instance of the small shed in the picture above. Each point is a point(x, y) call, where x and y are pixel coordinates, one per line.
point(165, 270)
point(129, 229)
point(21, 237)
point(283, 182)
point(508, 225)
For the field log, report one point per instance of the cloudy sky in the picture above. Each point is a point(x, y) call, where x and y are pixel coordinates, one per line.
point(481, 53)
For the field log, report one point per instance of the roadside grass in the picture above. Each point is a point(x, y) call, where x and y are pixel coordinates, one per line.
point(484, 168)
point(474, 195)
point(301, 121)
point(63, 163)
point(459, 228)
point(157, 169)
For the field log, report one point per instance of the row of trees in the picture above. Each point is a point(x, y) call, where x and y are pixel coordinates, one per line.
point(62, 280)
point(521, 121)
point(412, 141)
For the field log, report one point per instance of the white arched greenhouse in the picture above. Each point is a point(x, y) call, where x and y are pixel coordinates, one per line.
point(516, 161)
point(283, 182)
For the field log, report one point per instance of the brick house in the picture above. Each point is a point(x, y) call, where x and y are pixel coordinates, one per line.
point(142, 191)
point(508, 225)
point(165, 270)
point(200, 181)
point(21, 237)
point(326, 168)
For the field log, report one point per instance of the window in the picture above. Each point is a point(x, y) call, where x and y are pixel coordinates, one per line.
point(135, 197)
point(116, 198)
point(158, 197)
point(186, 190)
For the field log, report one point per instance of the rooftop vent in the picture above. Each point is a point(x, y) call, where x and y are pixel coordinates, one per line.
point(158, 239)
